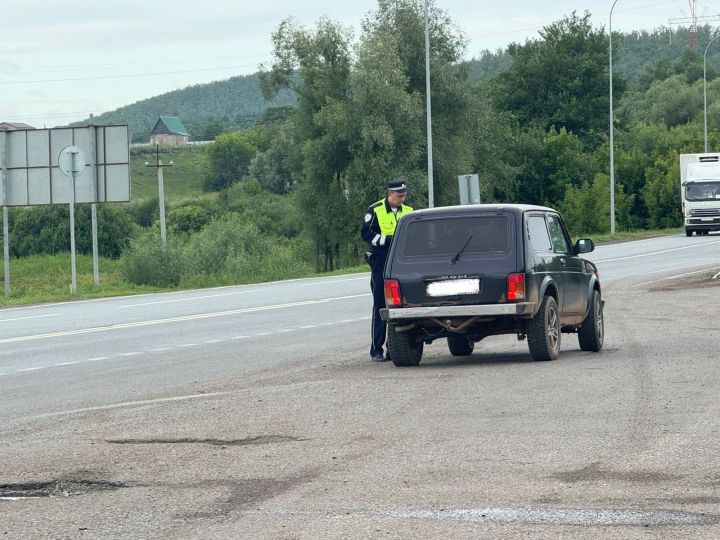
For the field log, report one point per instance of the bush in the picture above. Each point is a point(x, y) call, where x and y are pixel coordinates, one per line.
point(45, 230)
point(188, 218)
point(146, 263)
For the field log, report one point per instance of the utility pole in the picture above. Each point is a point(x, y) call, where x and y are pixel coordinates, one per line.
point(161, 193)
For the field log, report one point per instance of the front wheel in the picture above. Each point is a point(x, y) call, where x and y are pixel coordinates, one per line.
point(592, 331)
point(543, 331)
point(460, 346)
point(406, 348)
point(688, 232)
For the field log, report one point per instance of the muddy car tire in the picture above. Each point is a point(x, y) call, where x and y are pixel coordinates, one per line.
point(460, 346)
point(406, 348)
point(592, 331)
point(543, 331)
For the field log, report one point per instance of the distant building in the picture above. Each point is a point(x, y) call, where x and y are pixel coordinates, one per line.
point(12, 126)
point(169, 130)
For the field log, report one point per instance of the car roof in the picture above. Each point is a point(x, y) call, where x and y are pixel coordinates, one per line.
point(472, 208)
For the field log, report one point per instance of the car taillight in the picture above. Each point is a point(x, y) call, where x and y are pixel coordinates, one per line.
point(392, 293)
point(516, 287)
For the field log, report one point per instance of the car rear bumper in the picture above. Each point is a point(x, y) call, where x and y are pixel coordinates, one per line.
point(483, 310)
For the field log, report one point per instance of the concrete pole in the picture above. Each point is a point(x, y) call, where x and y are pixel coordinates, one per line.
point(612, 138)
point(431, 195)
point(705, 135)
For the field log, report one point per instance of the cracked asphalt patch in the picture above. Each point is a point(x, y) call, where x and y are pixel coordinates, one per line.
point(58, 488)
point(264, 439)
point(594, 472)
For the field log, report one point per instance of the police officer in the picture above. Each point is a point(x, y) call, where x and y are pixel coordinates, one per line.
point(377, 230)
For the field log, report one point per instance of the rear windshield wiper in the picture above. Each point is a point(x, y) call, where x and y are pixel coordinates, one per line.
point(457, 255)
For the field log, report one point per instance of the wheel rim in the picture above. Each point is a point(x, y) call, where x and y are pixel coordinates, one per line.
point(553, 330)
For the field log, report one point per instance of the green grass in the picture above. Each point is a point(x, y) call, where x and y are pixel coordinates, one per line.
point(619, 236)
point(46, 278)
point(183, 180)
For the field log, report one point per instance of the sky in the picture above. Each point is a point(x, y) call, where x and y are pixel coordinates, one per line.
point(61, 61)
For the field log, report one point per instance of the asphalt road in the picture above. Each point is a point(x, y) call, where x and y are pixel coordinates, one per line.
point(254, 411)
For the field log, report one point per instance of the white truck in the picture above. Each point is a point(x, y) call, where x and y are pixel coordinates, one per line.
point(700, 192)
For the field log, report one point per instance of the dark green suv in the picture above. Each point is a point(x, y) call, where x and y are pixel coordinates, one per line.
point(467, 272)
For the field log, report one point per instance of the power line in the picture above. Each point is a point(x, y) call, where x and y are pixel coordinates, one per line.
point(127, 76)
point(54, 69)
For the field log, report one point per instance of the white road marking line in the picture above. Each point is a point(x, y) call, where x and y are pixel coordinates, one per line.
point(364, 278)
point(185, 345)
point(656, 252)
point(31, 317)
point(178, 319)
point(188, 299)
point(132, 404)
point(676, 276)
point(309, 326)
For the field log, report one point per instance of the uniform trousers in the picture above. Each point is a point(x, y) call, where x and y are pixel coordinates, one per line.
point(377, 286)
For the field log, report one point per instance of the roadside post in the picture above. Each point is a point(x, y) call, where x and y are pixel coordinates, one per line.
point(71, 162)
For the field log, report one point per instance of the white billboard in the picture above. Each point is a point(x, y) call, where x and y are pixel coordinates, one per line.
point(31, 175)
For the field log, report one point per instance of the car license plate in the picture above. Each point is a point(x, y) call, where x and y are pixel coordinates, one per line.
point(453, 287)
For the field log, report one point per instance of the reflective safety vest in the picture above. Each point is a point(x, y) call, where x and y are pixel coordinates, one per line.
point(387, 219)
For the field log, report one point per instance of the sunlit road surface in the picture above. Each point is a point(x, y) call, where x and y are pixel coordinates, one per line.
point(254, 411)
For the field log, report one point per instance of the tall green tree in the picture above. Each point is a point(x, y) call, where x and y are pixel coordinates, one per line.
point(316, 64)
point(560, 80)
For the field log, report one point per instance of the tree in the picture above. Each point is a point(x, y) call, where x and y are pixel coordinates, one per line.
point(316, 65)
point(229, 158)
point(560, 80)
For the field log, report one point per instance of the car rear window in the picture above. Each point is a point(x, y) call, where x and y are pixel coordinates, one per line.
point(447, 236)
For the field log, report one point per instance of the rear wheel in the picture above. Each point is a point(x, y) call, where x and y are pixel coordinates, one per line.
point(405, 348)
point(460, 346)
point(592, 331)
point(543, 331)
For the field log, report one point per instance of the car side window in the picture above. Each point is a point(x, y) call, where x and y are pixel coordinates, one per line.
point(538, 232)
point(559, 240)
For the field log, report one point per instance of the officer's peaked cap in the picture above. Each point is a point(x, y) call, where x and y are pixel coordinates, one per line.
point(397, 185)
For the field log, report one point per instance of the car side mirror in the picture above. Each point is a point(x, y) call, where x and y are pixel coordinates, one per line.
point(584, 245)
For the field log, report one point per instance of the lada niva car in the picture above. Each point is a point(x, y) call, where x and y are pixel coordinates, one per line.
point(463, 273)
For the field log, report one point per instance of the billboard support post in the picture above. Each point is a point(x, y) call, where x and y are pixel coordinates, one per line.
point(6, 234)
point(6, 250)
point(96, 269)
point(73, 286)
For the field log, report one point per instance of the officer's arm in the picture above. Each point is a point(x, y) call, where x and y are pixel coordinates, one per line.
point(370, 231)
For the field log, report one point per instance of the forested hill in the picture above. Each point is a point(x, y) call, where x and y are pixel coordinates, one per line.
point(632, 55)
point(205, 109)
point(209, 109)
